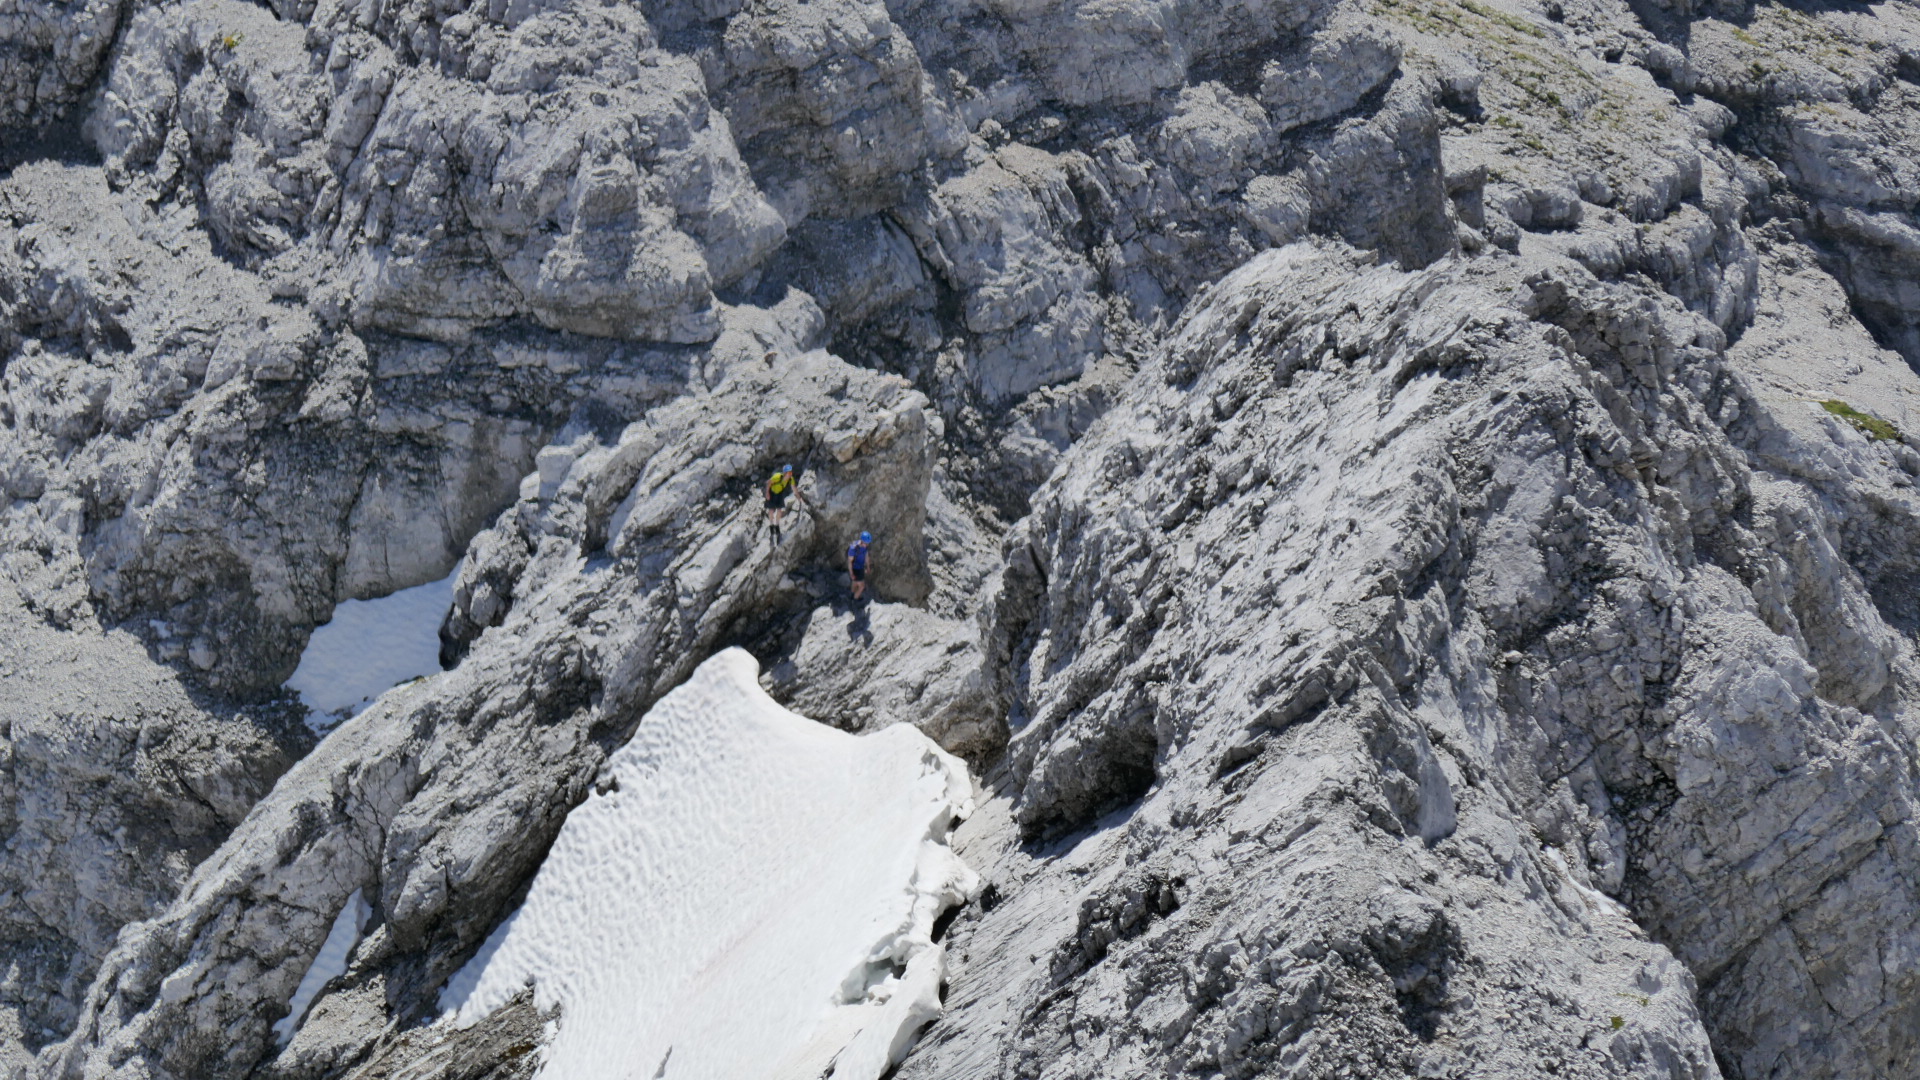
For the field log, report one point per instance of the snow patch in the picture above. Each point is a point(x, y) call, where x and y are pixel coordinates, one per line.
point(329, 964)
point(368, 647)
point(753, 896)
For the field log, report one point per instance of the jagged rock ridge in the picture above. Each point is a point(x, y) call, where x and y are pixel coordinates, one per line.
point(1453, 642)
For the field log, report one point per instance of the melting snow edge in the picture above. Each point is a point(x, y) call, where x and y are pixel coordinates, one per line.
point(754, 896)
point(328, 964)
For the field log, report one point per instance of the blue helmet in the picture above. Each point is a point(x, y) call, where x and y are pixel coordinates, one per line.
point(786, 468)
point(866, 538)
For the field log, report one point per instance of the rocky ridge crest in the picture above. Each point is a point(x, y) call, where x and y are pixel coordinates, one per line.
point(1350, 476)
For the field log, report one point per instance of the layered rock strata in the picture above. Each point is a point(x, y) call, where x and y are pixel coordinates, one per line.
point(1469, 612)
point(1408, 502)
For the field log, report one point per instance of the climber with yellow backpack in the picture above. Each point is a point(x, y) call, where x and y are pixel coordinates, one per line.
point(780, 486)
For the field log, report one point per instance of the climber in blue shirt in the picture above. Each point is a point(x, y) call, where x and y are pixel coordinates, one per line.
point(857, 564)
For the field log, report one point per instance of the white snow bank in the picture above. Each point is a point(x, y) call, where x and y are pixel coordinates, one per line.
point(329, 964)
point(370, 646)
point(754, 899)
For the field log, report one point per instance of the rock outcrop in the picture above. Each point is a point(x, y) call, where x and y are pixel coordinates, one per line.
point(215, 469)
point(439, 802)
point(52, 55)
point(1412, 599)
point(1409, 504)
point(118, 778)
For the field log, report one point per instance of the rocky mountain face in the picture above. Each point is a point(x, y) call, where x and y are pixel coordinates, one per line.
point(1408, 506)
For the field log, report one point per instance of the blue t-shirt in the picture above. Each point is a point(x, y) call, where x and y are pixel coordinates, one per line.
point(858, 553)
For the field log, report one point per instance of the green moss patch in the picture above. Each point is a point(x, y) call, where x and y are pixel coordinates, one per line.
point(1874, 427)
point(1504, 19)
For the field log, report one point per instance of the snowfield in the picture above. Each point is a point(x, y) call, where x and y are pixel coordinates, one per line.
point(752, 896)
point(368, 647)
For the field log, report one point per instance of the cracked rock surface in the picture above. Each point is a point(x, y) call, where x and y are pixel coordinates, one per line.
point(1408, 506)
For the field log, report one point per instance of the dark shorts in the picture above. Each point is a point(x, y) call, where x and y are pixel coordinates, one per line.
point(778, 502)
point(859, 573)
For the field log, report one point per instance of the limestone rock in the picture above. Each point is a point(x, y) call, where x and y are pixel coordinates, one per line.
point(991, 233)
point(1221, 620)
point(613, 211)
point(116, 779)
point(1341, 69)
point(438, 802)
point(881, 664)
point(53, 52)
point(1410, 507)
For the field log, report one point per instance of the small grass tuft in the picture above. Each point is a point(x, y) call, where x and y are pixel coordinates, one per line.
point(1873, 426)
point(1504, 19)
point(1618, 1022)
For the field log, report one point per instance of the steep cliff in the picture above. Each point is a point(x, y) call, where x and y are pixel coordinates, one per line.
point(1407, 506)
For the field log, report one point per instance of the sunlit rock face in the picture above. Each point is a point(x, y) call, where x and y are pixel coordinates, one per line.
point(1407, 509)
